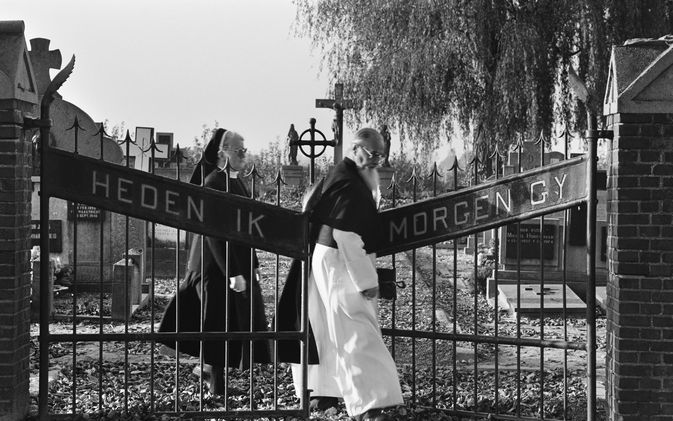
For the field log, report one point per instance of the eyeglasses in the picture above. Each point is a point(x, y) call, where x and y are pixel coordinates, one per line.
point(240, 152)
point(372, 154)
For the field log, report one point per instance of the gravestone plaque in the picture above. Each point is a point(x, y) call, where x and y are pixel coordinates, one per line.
point(55, 235)
point(165, 237)
point(84, 212)
point(530, 241)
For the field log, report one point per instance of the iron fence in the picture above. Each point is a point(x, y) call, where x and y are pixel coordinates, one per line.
point(455, 351)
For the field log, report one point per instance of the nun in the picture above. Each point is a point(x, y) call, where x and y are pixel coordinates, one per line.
point(220, 292)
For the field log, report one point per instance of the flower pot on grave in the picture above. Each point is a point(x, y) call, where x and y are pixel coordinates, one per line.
point(293, 174)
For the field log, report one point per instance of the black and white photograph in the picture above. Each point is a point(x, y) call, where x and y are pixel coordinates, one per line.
point(362, 210)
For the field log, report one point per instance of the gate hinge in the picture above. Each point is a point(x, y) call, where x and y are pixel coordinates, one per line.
point(35, 123)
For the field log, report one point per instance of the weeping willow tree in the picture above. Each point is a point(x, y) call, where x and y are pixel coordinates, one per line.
point(494, 70)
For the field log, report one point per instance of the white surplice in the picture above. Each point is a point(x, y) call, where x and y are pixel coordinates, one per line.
point(354, 361)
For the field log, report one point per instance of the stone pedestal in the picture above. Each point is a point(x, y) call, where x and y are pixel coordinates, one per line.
point(293, 174)
point(126, 289)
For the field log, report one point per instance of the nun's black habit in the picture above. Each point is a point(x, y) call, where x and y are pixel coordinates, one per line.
point(217, 311)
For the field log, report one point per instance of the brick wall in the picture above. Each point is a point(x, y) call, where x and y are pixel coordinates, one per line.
point(15, 193)
point(640, 258)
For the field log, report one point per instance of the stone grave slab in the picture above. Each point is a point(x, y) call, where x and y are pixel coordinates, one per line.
point(530, 299)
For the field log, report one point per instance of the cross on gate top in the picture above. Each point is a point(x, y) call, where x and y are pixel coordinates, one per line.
point(338, 104)
point(42, 60)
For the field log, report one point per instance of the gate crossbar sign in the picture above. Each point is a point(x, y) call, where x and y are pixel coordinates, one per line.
point(181, 205)
point(513, 198)
point(205, 211)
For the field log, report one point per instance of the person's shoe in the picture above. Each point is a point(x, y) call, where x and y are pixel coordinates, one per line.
point(216, 381)
point(323, 403)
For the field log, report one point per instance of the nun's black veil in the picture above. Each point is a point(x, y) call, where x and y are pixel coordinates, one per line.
point(208, 161)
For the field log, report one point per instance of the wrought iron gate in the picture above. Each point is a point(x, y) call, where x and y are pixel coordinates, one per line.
point(439, 346)
point(133, 194)
point(462, 347)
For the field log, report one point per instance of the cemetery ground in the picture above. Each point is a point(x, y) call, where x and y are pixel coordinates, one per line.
point(446, 388)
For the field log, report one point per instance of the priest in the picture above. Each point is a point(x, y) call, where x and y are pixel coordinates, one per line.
point(353, 361)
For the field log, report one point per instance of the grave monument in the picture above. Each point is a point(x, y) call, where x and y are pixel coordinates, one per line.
point(69, 122)
point(520, 244)
point(385, 170)
point(293, 173)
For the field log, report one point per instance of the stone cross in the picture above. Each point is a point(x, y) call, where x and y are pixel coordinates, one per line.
point(338, 104)
point(42, 60)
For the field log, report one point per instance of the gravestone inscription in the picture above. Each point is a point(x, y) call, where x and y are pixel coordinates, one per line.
point(55, 235)
point(83, 212)
point(530, 241)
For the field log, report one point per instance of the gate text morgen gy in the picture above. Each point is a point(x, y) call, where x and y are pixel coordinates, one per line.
point(489, 205)
point(173, 203)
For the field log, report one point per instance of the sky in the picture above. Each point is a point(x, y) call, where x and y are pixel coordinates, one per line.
point(177, 65)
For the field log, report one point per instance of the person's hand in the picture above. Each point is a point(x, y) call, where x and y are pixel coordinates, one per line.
point(237, 283)
point(258, 276)
point(371, 293)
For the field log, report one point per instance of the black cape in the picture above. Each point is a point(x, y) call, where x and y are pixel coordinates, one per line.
point(345, 203)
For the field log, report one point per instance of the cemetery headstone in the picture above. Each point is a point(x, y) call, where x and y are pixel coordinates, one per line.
point(63, 115)
point(161, 252)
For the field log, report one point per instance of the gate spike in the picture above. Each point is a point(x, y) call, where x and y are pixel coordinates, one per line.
point(455, 165)
point(564, 132)
point(393, 182)
point(101, 135)
point(279, 178)
point(226, 168)
point(75, 124)
point(518, 145)
point(413, 176)
point(435, 171)
point(152, 147)
point(126, 140)
point(499, 159)
point(254, 173)
point(178, 155)
point(541, 138)
point(101, 130)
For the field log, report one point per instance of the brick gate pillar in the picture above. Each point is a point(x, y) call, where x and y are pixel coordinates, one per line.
point(18, 97)
point(639, 108)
